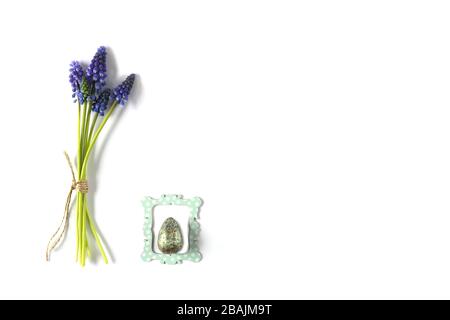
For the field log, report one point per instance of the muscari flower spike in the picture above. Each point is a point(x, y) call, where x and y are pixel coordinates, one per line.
point(96, 72)
point(101, 103)
point(83, 93)
point(122, 91)
point(75, 77)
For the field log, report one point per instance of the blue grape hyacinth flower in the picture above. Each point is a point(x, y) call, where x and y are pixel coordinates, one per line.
point(76, 74)
point(101, 103)
point(96, 72)
point(121, 92)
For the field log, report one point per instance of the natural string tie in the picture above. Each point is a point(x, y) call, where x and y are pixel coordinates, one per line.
point(77, 185)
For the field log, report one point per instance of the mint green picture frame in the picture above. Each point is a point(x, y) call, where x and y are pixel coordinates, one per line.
point(193, 254)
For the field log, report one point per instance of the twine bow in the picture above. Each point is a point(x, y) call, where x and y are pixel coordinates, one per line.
point(80, 186)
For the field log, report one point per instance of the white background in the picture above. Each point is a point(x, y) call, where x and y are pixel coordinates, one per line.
point(315, 131)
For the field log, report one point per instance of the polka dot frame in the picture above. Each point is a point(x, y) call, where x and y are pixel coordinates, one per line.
point(193, 254)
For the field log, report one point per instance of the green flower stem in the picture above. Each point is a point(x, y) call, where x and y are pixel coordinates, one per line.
point(91, 130)
point(81, 222)
point(78, 225)
point(79, 162)
point(83, 145)
point(95, 233)
point(94, 139)
point(80, 197)
point(87, 123)
point(88, 142)
point(83, 230)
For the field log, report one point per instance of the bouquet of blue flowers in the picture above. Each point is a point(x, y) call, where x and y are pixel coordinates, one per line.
point(95, 106)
